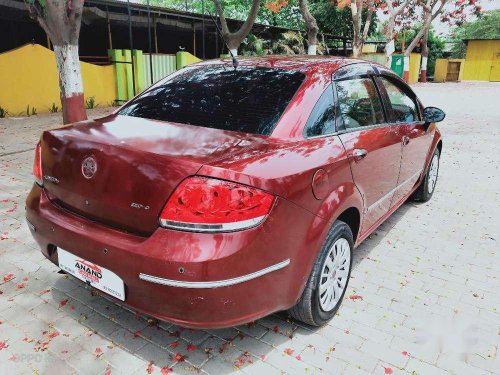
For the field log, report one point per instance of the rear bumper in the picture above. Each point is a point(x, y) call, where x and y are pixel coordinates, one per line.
point(199, 280)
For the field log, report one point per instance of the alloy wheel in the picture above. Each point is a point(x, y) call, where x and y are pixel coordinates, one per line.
point(334, 274)
point(433, 174)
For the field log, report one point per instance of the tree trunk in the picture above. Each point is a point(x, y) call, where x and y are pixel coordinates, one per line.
point(311, 26)
point(425, 55)
point(357, 49)
point(234, 39)
point(70, 83)
point(389, 38)
point(61, 21)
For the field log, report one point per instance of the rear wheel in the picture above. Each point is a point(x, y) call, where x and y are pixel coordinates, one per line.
point(328, 281)
point(428, 185)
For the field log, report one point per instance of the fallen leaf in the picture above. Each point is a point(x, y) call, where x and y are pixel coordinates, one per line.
point(276, 329)
point(137, 333)
point(150, 368)
point(63, 302)
point(44, 291)
point(53, 334)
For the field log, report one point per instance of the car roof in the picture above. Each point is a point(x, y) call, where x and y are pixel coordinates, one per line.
point(302, 63)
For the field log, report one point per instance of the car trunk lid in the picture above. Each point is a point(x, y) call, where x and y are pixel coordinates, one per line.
point(121, 170)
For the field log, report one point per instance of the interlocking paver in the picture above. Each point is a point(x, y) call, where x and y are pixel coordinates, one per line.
point(428, 279)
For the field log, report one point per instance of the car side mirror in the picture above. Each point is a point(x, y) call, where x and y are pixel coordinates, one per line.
point(433, 114)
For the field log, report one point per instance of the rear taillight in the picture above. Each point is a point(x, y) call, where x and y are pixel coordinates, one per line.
point(208, 205)
point(37, 165)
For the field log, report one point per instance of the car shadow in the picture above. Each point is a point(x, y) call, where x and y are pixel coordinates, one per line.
point(275, 340)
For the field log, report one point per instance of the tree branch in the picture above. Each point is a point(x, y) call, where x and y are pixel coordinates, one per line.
point(220, 12)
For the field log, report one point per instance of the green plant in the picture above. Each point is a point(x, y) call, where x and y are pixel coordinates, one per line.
point(54, 108)
point(91, 103)
point(3, 112)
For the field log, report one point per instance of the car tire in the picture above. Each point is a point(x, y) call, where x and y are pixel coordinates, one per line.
point(428, 185)
point(315, 307)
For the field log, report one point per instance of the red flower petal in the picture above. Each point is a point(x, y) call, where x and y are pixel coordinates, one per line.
point(3, 345)
point(63, 302)
point(98, 351)
point(355, 297)
point(276, 329)
point(20, 286)
point(191, 348)
point(8, 277)
point(174, 344)
point(150, 368)
point(288, 351)
point(179, 357)
point(298, 357)
point(387, 370)
point(166, 370)
point(25, 279)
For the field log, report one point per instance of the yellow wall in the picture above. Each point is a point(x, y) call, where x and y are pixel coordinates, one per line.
point(28, 76)
point(185, 58)
point(482, 60)
point(414, 67)
point(441, 69)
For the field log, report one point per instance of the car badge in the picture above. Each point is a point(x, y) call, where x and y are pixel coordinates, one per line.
point(89, 167)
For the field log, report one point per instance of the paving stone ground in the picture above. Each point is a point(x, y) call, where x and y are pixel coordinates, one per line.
point(427, 280)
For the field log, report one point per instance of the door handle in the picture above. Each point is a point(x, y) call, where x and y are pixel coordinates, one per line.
point(405, 140)
point(358, 154)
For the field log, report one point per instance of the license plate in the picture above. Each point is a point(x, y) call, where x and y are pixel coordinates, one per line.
point(92, 274)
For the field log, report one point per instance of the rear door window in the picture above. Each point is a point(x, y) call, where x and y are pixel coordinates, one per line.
point(246, 99)
point(359, 103)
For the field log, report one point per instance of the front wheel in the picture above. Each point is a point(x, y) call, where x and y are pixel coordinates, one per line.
point(428, 185)
point(328, 280)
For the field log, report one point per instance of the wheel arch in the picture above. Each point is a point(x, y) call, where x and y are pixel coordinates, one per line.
point(352, 217)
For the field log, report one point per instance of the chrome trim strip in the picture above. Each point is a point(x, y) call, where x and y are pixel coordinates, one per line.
point(373, 205)
point(213, 284)
point(210, 228)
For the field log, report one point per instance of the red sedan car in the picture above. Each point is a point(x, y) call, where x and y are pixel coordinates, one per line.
point(222, 194)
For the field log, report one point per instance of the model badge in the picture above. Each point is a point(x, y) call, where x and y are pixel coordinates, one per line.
point(89, 167)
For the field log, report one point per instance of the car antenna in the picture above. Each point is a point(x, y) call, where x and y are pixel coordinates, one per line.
point(235, 61)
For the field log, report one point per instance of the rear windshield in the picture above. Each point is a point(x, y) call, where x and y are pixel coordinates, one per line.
point(245, 99)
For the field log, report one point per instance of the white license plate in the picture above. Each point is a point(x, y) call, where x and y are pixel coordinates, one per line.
point(92, 274)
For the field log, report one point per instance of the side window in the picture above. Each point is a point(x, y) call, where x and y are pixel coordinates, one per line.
point(322, 118)
point(359, 103)
point(404, 108)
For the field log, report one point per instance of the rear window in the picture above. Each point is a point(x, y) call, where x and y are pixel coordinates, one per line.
point(245, 99)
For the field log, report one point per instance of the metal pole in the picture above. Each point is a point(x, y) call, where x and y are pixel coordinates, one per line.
point(203, 30)
point(110, 38)
point(149, 45)
point(131, 45)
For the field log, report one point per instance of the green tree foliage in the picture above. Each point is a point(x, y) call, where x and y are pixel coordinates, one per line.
point(436, 46)
point(335, 21)
point(485, 27)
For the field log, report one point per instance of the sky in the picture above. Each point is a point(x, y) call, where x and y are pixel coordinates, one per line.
point(444, 29)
